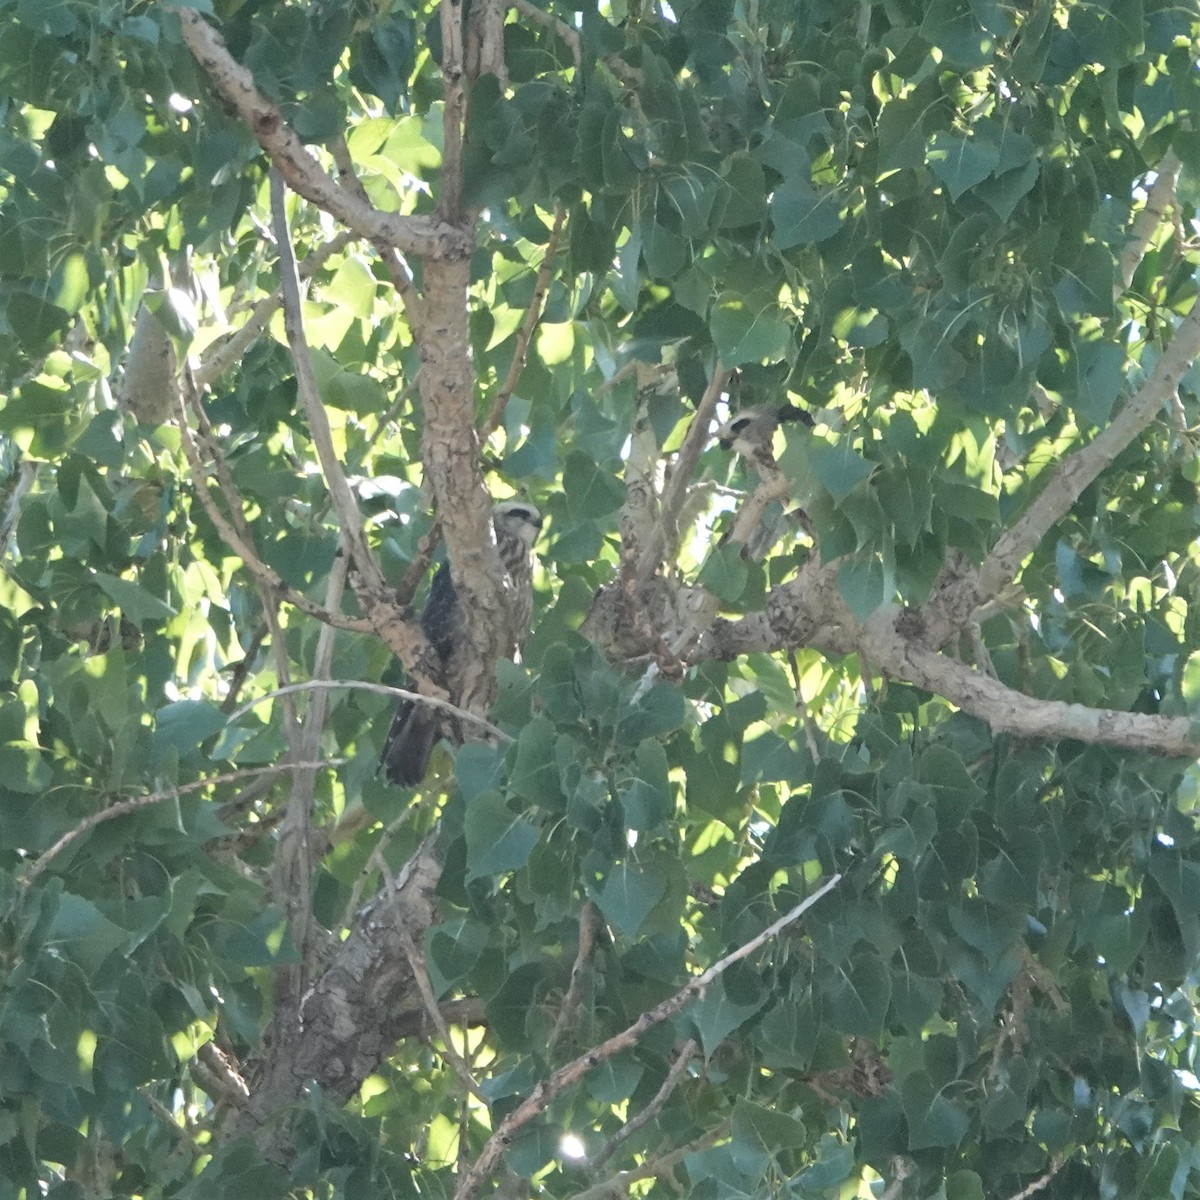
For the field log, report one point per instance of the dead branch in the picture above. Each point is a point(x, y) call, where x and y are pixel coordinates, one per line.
point(557, 1083)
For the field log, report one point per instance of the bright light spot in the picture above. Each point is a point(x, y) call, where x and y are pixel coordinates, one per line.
point(1165, 839)
point(181, 104)
point(572, 1147)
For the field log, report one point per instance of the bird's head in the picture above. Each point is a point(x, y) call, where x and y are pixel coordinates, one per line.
point(517, 519)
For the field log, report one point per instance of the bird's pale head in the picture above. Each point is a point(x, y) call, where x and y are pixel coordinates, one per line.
point(517, 519)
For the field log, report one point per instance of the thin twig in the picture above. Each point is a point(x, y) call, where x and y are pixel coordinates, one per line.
point(265, 574)
point(224, 1079)
point(533, 314)
point(381, 689)
point(570, 1004)
point(228, 351)
point(1056, 1165)
point(619, 1184)
point(674, 1075)
point(557, 1083)
point(416, 960)
point(124, 807)
point(901, 1169)
point(564, 31)
point(666, 539)
point(401, 277)
point(344, 503)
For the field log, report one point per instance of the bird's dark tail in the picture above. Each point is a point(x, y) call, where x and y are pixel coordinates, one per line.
point(410, 741)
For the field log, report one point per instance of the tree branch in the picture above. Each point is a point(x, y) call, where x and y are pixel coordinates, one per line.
point(1006, 710)
point(418, 236)
point(1159, 200)
point(952, 607)
point(666, 541)
point(228, 351)
point(570, 1004)
point(557, 1083)
point(123, 807)
point(678, 1068)
point(402, 279)
point(533, 314)
point(352, 1016)
point(381, 689)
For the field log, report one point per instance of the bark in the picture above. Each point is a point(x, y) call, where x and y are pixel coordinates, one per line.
point(352, 1015)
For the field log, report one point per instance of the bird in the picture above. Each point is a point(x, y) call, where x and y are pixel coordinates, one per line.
point(416, 727)
point(751, 430)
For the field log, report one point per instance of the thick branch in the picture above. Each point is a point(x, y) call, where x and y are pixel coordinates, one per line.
point(1158, 202)
point(419, 236)
point(450, 451)
point(352, 1016)
point(1006, 710)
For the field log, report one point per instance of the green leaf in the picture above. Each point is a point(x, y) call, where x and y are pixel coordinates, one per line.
point(802, 215)
point(748, 332)
point(590, 492)
point(961, 162)
point(861, 584)
point(628, 895)
point(746, 193)
point(82, 933)
point(135, 602)
point(759, 1133)
point(498, 840)
point(860, 996)
point(726, 573)
point(717, 1016)
point(185, 724)
point(933, 1118)
point(839, 468)
point(534, 775)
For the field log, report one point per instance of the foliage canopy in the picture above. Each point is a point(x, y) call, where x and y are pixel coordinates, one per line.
point(942, 644)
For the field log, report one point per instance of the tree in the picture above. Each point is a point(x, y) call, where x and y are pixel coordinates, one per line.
point(837, 833)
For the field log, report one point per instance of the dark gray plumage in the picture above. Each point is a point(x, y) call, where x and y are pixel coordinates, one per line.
point(416, 727)
point(750, 431)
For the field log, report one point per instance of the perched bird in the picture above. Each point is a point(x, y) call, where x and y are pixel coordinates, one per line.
point(750, 431)
point(417, 727)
